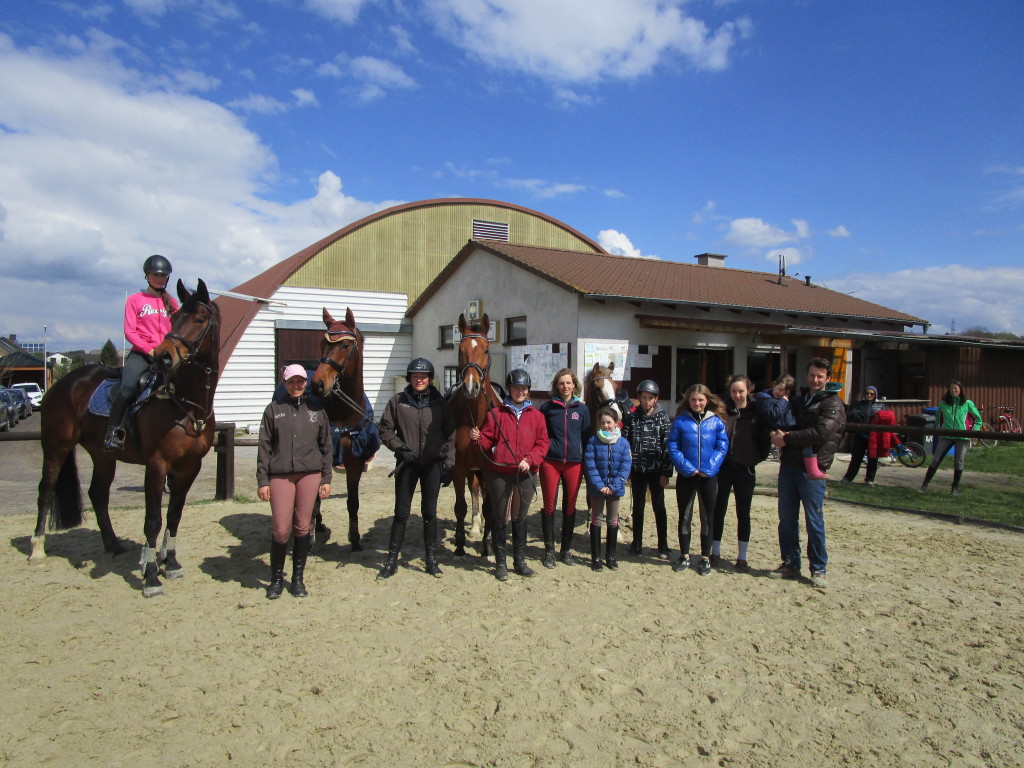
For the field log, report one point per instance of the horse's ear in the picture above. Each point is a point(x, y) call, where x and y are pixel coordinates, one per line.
point(485, 324)
point(462, 323)
point(202, 292)
point(611, 365)
point(328, 320)
point(183, 293)
point(350, 319)
point(596, 368)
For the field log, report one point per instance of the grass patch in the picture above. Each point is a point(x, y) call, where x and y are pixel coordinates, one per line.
point(1005, 459)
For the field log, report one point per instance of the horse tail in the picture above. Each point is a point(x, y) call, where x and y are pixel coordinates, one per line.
point(66, 510)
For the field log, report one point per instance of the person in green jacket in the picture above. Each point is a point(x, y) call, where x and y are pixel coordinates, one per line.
point(954, 411)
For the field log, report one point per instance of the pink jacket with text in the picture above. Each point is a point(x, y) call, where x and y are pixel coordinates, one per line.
point(146, 321)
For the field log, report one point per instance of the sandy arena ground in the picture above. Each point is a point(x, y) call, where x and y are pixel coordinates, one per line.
point(913, 657)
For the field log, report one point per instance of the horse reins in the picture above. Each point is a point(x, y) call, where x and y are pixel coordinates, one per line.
point(193, 349)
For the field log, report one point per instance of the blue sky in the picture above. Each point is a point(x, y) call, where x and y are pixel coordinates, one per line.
point(878, 145)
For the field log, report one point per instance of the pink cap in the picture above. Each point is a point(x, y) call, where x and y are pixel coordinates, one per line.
point(293, 370)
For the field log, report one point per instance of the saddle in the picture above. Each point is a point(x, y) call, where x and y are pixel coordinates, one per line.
point(99, 403)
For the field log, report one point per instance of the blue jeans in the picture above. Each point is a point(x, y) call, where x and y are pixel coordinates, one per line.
point(796, 490)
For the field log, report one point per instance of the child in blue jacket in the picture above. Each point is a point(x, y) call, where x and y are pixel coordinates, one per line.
point(773, 408)
point(606, 462)
point(697, 446)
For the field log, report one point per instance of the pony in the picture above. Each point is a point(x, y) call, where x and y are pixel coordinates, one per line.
point(172, 432)
point(599, 391)
point(470, 400)
point(338, 380)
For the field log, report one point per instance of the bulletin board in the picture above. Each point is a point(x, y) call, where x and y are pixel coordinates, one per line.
point(541, 361)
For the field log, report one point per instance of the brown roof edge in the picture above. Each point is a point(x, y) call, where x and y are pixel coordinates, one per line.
point(238, 313)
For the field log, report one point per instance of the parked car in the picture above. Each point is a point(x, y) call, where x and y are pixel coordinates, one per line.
point(35, 394)
point(8, 412)
point(22, 402)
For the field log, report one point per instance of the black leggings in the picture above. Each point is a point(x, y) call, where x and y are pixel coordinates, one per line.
point(740, 480)
point(640, 482)
point(706, 490)
point(429, 478)
point(858, 448)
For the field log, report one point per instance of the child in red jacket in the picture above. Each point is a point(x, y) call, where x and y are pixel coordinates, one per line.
point(880, 443)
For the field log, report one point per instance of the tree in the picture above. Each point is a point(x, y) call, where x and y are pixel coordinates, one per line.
point(109, 356)
point(62, 370)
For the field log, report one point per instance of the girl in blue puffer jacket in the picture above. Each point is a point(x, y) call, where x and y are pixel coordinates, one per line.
point(606, 462)
point(697, 446)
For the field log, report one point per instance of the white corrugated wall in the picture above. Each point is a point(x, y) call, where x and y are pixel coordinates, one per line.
point(248, 381)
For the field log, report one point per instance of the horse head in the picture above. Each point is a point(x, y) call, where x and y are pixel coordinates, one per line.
point(341, 355)
point(474, 355)
point(194, 334)
point(600, 388)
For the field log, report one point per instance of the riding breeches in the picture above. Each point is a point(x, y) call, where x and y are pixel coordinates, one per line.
point(568, 475)
point(505, 490)
point(428, 476)
point(292, 498)
point(135, 365)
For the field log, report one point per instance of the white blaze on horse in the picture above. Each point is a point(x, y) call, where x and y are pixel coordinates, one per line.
point(599, 390)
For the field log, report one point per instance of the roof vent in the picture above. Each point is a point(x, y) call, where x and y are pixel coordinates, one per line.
point(807, 279)
point(490, 230)
point(710, 259)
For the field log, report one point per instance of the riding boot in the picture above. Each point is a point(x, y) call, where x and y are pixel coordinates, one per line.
point(595, 548)
point(609, 549)
point(390, 566)
point(636, 546)
point(548, 524)
point(519, 549)
point(957, 473)
point(113, 440)
point(928, 476)
point(299, 552)
point(499, 544)
point(278, 552)
point(567, 524)
point(430, 545)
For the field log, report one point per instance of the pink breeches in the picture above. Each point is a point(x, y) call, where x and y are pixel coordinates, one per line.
point(291, 503)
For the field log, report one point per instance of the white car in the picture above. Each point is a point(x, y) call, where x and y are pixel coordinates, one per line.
point(35, 394)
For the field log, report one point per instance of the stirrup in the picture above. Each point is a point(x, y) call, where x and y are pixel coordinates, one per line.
point(114, 440)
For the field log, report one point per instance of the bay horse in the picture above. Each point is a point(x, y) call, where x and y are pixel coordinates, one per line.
point(338, 380)
point(172, 433)
point(470, 401)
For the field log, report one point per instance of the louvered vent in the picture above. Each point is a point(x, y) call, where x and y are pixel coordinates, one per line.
point(490, 230)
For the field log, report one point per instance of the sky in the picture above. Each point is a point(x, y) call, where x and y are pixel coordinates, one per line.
point(878, 146)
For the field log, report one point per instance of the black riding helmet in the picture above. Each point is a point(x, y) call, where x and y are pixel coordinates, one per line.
point(649, 387)
point(419, 365)
point(157, 265)
point(518, 378)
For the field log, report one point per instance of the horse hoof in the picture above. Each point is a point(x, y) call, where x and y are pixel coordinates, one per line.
point(174, 573)
point(117, 549)
point(152, 591)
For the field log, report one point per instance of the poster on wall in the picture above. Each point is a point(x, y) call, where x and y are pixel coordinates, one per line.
point(605, 351)
point(542, 361)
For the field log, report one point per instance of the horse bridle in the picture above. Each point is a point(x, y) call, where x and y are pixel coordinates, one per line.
point(193, 346)
point(193, 349)
point(476, 366)
point(336, 337)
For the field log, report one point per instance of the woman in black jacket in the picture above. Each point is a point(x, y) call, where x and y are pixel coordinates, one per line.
point(749, 444)
point(860, 413)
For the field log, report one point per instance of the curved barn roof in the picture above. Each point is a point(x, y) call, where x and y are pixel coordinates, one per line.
point(397, 250)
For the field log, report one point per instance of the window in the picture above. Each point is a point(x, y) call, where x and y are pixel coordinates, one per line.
point(451, 377)
point(446, 337)
point(515, 331)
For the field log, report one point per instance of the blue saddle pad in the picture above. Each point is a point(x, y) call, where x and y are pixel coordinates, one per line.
point(99, 403)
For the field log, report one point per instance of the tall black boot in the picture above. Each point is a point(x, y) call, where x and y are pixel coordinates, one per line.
point(278, 552)
point(548, 524)
point(636, 546)
point(568, 521)
point(609, 549)
point(113, 440)
point(299, 552)
point(390, 566)
point(499, 544)
point(430, 545)
point(595, 548)
point(928, 477)
point(519, 549)
point(955, 490)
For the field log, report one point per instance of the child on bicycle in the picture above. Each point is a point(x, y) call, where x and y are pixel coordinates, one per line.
point(773, 408)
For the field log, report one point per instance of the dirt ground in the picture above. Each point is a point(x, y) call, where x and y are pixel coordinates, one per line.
point(912, 657)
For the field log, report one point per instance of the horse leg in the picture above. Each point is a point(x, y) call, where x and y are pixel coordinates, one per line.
point(52, 463)
point(475, 490)
point(104, 467)
point(460, 513)
point(352, 477)
point(155, 478)
point(180, 484)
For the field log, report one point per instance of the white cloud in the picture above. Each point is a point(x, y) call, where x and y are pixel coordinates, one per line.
point(839, 231)
point(616, 242)
point(793, 256)
point(305, 98)
point(755, 233)
point(700, 216)
point(345, 11)
point(403, 42)
point(988, 297)
point(542, 188)
point(614, 193)
point(374, 76)
point(100, 168)
point(259, 104)
point(585, 40)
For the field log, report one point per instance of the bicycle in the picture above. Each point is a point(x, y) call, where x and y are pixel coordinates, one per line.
point(909, 454)
point(986, 439)
point(1006, 421)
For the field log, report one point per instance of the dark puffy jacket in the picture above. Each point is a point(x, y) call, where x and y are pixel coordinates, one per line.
point(749, 438)
point(607, 466)
point(697, 445)
point(648, 441)
point(863, 411)
point(568, 426)
point(775, 411)
point(424, 423)
point(293, 438)
point(820, 423)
